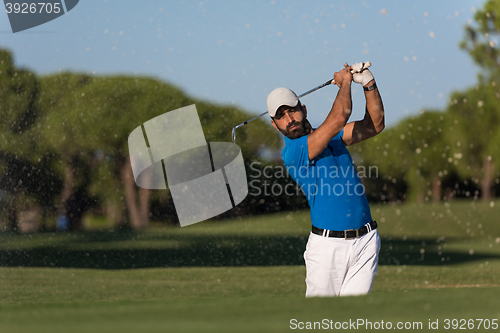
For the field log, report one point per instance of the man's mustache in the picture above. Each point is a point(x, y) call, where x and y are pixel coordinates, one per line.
point(293, 123)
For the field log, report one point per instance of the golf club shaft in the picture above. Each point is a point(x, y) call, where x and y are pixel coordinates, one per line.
point(318, 87)
point(233, 133)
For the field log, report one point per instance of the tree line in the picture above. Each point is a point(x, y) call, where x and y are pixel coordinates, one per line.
point(63, 143)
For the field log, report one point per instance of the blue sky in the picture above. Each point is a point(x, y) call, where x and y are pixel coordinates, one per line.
point(236, 52)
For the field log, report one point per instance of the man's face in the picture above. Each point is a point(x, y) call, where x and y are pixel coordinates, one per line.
point(291, 121)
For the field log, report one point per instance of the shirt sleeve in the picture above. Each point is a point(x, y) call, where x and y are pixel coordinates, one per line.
point(340, 136)
point(295, 155)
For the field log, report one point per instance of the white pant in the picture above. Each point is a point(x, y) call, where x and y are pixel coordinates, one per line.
point(340, 267)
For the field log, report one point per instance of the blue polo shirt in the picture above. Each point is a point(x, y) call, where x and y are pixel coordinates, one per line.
point(330, 182)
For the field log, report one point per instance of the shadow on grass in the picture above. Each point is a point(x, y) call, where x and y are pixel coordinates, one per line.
point(136, 250)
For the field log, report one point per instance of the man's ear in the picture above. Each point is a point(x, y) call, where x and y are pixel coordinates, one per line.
point(304, 109)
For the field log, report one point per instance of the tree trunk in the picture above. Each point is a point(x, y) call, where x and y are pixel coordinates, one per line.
point(12, 214)
point(69, 178)
point(138, 209)
point(144, 199)
point(67, 191)
point(487, 181)
point(68, 199)
point(436, 189)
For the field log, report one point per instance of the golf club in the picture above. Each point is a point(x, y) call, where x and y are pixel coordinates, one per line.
point(233, 132)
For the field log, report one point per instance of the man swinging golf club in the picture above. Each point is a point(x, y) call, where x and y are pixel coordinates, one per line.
point(341, 255)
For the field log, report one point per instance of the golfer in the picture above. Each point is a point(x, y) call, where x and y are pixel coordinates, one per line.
point(341, 255)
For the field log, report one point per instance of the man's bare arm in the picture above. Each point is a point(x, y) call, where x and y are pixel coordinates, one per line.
point(373, 122)
point(336, 119)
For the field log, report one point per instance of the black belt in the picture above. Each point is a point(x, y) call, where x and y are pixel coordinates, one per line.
point(346, 234)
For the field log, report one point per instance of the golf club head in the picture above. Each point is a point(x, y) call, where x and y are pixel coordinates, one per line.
point(233, 134)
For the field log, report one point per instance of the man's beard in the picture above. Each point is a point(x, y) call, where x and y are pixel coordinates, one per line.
point(303, 128)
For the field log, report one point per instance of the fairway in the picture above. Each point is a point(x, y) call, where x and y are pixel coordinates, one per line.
point(438, 262)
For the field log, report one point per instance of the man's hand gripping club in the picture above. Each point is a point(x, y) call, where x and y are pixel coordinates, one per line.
point(361, 74)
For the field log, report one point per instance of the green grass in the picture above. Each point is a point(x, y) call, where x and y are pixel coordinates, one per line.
point(437, 261)
point(249, 314)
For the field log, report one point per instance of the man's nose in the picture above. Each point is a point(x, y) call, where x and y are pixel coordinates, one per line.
point(288, 116)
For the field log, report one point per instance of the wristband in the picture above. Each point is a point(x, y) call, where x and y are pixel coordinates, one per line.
point(370, 88)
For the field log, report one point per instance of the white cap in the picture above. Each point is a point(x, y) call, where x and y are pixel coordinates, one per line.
point(279, 97)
